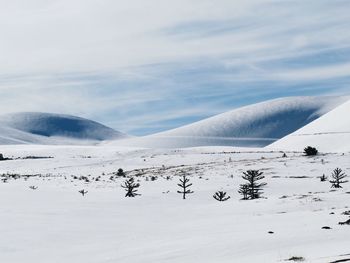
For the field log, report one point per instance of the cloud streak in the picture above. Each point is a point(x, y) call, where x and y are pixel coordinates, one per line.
point(146, 66)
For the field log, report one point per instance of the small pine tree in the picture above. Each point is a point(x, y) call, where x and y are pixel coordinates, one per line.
point(120, 173)
point(221, 196)
point(244, 190)
point(254, 188)
point(338, 177)
point(83, 192)
point(310, 151)
point(323, 178)
point(184, 184)
point(130, 187)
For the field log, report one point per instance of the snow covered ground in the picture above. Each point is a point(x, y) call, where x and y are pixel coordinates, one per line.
point(56, 224)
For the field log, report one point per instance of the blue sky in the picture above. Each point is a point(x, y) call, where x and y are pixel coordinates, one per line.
point(148, 66)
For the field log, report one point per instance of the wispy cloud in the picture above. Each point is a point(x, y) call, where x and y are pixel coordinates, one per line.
point(145, 66)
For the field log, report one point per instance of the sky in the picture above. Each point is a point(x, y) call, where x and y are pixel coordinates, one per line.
point(147, 66)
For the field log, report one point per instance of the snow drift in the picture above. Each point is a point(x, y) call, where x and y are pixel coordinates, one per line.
point(329, 133)
point(48, 128)
point(255, 125)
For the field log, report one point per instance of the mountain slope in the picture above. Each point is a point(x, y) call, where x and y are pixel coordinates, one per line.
point(255, 125)
point(48, 128)
point(329, 133)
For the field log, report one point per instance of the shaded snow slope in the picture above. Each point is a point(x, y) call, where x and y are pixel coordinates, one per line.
point(48, 128)
point(329, 133)
point(255, 125)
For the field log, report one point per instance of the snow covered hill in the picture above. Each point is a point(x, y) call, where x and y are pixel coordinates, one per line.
point(329, 133)
point(48, 128)
point(255, 125)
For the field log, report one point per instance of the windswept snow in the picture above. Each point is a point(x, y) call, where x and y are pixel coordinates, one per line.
point(48, 128)
point(255, 125)
point(56, 224)
point(329, 133)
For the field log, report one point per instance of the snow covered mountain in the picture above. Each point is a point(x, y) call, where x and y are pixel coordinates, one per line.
point(255, 125)
point(48, 128)
point(329, 133)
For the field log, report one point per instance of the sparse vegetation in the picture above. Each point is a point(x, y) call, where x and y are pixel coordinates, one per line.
point(185, 184)
point(221, 176)
point(310, 151)
point(153, 178)
point(2, 158)
point(323, 178)
point(36, 157)
point(84, 178)
point(83, 192)
point(121, 173)
point(295, 258)
point(252, 189)
point(244, 191)
point(346, 213)
point(221, 196)
point(131, 187)
point(337, 178)
point(347, 222)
